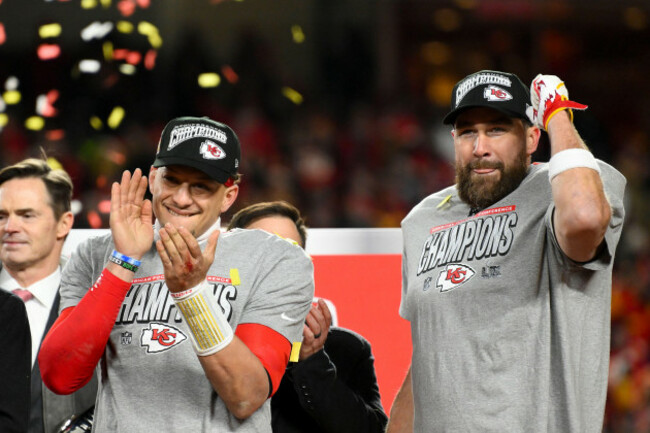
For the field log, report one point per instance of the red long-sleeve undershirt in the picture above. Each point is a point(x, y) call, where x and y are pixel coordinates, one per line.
point(75, 343)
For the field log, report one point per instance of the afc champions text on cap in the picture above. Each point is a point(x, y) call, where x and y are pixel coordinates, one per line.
point(501, 91)
point(202, 143)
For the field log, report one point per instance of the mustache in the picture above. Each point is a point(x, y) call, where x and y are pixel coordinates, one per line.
point(483, 164)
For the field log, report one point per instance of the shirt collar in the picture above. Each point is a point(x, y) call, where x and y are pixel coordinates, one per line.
point(44, 290)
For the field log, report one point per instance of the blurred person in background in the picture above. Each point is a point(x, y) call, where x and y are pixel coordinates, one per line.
point(35, 219)
point(332, 386)
point(507, 275)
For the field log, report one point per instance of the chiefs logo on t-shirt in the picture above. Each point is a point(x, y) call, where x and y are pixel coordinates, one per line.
point(159, 337)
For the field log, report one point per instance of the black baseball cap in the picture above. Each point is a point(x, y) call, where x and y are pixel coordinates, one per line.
point(493, 89)
point(201, 143)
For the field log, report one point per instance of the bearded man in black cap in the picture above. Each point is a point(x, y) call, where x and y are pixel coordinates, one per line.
point(192, 330)
point(507, 274)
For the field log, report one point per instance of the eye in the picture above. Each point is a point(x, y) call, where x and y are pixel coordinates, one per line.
point(168, 178)
point(200, 189)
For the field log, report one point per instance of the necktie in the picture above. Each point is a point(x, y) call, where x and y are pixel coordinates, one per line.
point(23, 294)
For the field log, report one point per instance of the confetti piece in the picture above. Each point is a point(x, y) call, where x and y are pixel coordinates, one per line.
point(45, 104)
point(133, 57)
point(444, 201)
point(55, 135)
point(150, 59)
point(48, 51)
point(125, 27)
point(54, 163)
point(209, 79)
point(11, 97)
point(230, 74)
point(115, 118)
point(120, 53)
point(49, 30)
point(35, 123)
point(96, 30)
point(126, 7)
point(143, 3)
point(151, 31)
point(96, 123)
point(3, 36)
point(76, 206)
point(292, 95)
point(297, 34)
point(4, 119)
point(234, 277)
point(90, 66)
point(12, 83)
point(295, 351)
point(127, 69)
point(107, 49)
point(3, 106)
point(104, 206)
point(94, 220)
point(88, 4)
point(105, 3)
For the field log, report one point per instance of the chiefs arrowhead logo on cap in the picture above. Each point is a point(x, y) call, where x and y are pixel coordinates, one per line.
point(211, 150)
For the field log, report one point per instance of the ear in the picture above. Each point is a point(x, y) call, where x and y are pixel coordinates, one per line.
point(64, 225)
point(532, 139)
point(229, 197)
point(152, 177)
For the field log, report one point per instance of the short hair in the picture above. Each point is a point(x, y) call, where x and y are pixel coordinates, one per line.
point(57, 182)
point(248, 215)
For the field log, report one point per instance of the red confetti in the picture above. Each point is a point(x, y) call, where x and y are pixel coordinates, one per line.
point(120, 53)
point(3, 36)
point(104, 206)
point(150, 59)
point(55, 134)
point(230, 74)
point(126, 7)
point(47, 109)
point(48, 51)
point(133, 58)
point(94, 220)
point(143, 3)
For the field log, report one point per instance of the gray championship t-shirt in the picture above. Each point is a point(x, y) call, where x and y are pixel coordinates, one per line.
point(151, 378)
point(509, 334)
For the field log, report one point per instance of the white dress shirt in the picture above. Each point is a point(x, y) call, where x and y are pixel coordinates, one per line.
point(38, 308)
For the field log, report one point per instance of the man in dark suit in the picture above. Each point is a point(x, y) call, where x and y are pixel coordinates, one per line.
point(331, 387)
point(35, 219)
point(15, 360)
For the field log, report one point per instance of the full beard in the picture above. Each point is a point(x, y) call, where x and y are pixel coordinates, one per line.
point(480, 192)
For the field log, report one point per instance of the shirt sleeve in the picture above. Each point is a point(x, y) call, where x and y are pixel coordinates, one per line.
point(283, 290)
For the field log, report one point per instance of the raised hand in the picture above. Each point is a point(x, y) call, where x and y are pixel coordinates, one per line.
point(184, 263)
point(548, 96)
point(314, 333)
point(131, 215)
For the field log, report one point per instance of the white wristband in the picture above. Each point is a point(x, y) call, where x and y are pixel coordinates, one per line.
point(210, 330)
point(571, 158)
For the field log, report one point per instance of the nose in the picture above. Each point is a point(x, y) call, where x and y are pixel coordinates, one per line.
point(481, 145)
point(11, 224)
point(182, 195)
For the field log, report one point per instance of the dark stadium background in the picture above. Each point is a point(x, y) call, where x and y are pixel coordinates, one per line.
point(338, 105)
